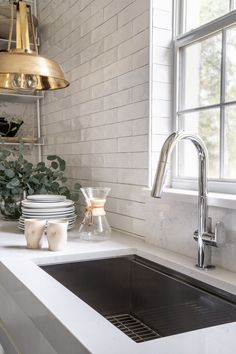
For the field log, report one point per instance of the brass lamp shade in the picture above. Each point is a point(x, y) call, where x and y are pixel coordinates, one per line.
point(48, 74)
point(23, 69)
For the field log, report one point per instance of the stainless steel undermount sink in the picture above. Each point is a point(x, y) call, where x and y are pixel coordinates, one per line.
point(143, 299)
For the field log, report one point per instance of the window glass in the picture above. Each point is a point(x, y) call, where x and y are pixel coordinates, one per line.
point(230, 142)
point(205, 98)
point(205, 123)
point(199, 12)
point(201, 73)
point(230, 87)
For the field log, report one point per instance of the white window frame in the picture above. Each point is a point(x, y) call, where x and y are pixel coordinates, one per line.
point(180, 40)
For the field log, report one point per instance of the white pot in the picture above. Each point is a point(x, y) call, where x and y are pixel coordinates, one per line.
point(34, 230)
point(57, 234)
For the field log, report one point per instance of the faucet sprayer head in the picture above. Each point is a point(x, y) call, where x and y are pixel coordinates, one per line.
point(159, 180)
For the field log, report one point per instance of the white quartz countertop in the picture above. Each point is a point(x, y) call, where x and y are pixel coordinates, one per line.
point(67, 324)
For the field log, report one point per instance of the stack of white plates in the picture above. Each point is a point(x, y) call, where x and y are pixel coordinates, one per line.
point(48, 207)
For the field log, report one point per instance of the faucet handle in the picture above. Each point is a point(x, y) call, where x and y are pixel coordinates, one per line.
point(214, 239)
point(219, 233)
point(209, 224)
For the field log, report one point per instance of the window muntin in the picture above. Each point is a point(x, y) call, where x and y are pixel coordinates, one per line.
point(199, 12)
point(206, 102)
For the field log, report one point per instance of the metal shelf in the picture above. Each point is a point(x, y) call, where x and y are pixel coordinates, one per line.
point(5, 41)
point(19, 98)
point(24, 98)
point(16, 141)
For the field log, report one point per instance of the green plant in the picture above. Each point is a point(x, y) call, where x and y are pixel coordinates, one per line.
point(51, 179)
point(19, 177)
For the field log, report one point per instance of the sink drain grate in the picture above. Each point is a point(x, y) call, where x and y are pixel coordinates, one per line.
point(133, 328)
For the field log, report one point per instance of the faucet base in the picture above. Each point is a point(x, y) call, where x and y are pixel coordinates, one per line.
point(205, 267)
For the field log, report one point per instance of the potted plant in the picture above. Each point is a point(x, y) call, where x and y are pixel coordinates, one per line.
point(19, 177)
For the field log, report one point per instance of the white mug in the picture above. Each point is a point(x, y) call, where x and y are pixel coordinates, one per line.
point(57, 234)
point(34, 230)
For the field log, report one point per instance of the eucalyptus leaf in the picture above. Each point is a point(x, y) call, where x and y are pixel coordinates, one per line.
point(54, 165)
point(77, 186)
point(15, 182)
point(51, 157)
point(62, 165)
point(9, 173)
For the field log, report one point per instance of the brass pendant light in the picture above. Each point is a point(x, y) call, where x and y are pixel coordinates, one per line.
point(22, 69)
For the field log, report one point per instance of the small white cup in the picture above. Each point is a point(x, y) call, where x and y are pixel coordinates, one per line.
point(34, 230)
point(57, 234)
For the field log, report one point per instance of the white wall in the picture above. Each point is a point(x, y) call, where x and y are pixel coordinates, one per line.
point(100, 124)
point(162, 75)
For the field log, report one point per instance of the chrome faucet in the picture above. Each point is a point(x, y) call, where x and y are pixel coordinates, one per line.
point(204, 236)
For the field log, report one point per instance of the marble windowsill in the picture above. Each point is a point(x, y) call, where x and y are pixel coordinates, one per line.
point(220, 200)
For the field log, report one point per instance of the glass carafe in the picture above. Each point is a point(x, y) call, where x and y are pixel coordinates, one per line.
point(94, 226)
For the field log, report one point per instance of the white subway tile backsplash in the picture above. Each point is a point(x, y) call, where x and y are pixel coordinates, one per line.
point(140, 58)
point(161, 108)
point(115, 7)
point(140, 126)
point(141, 92)
point(141, 22)
point(104, 174)
point(157, 142)
point(80, 71)
point(162, 56)
point(104, 89)
point(118, 68)
point(100, 123)
point(162, 91)
point(81, 96)
point(103, 118)
point(162, 19)
point(97, 5)
point(134, 143)
point(133, 176)
point(161, 125)
point(134, 44)
point(92, 51)
point(132, 11)
point(104, 30)
point(126, 160)
point(162, 37)
point(91, 106)
point(120, 222)
point(93, 22)
point(133, 111)
point(118, 36)
point(162, 73)
point(124, 191)
point(90, 80)
point(162, 4)
point(133, 78)
point(118, 99)
point(104, 59)
point(125, 207)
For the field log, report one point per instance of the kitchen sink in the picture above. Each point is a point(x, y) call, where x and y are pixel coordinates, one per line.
point(143, 299)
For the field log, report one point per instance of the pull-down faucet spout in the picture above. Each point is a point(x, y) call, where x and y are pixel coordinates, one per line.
point(203, 235)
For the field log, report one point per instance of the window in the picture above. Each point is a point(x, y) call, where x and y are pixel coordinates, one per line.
point(205, 102)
